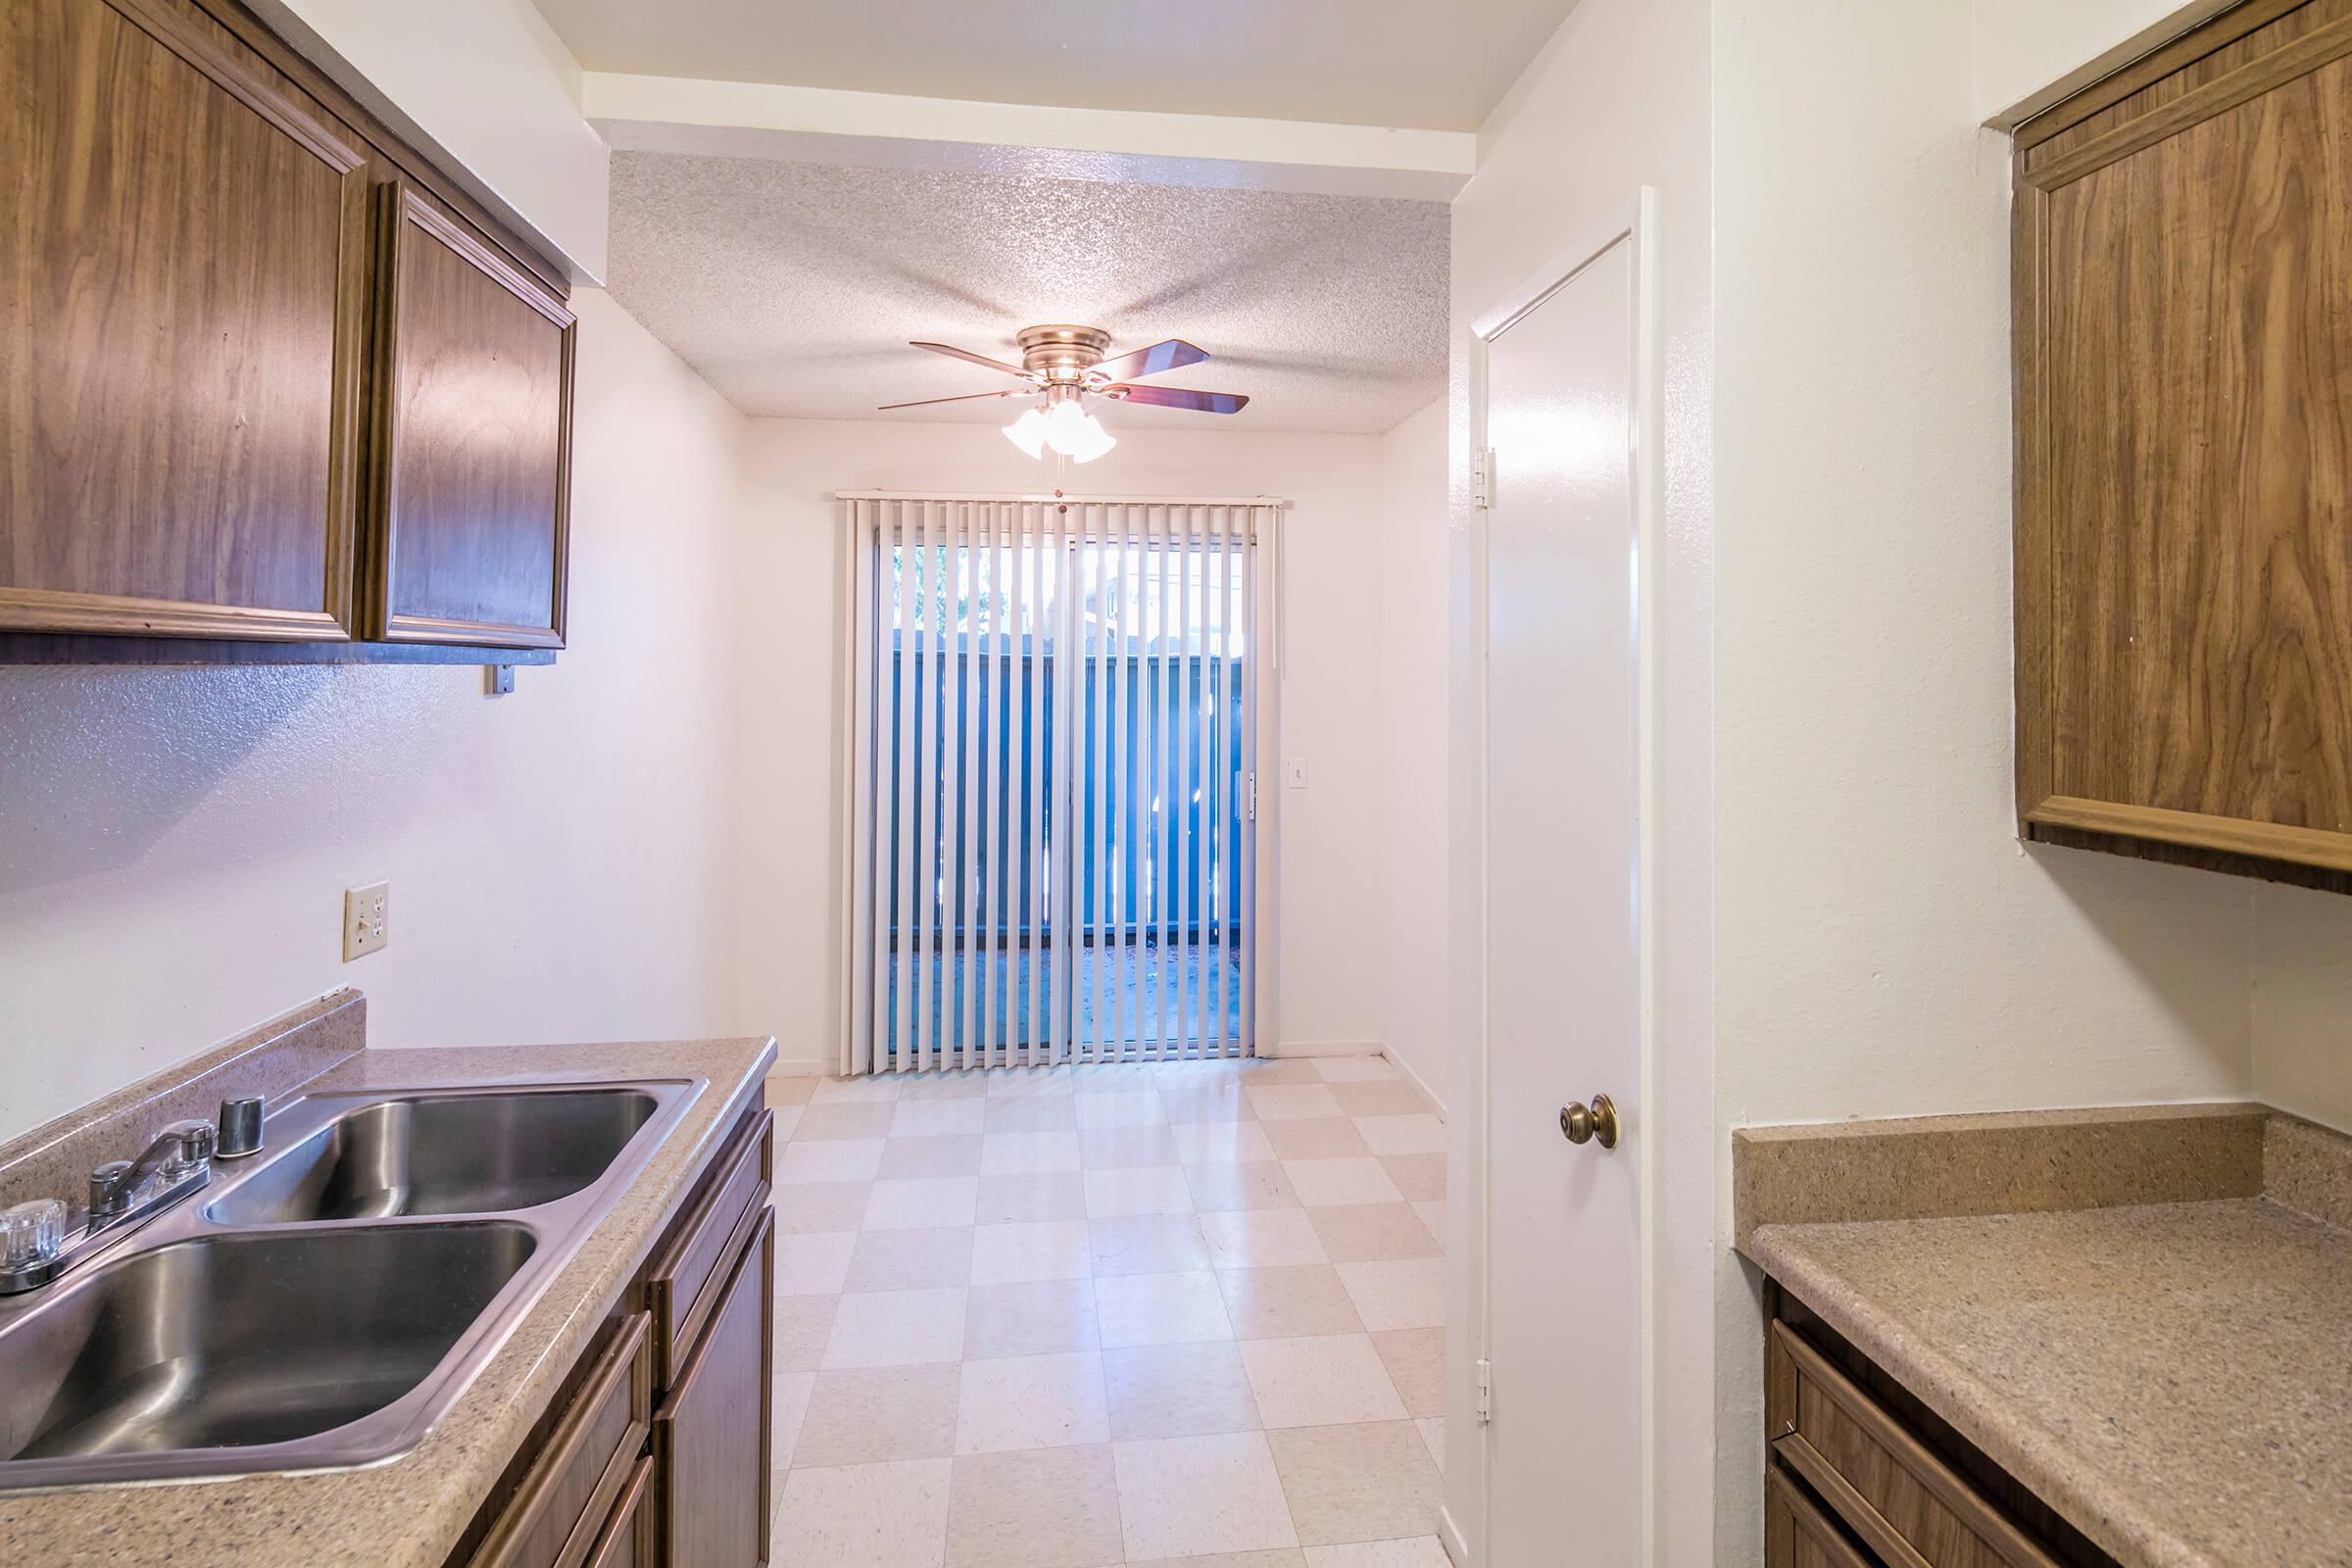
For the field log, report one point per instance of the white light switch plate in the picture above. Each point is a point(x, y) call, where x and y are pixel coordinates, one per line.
point(366, 919)
point(1295, 772)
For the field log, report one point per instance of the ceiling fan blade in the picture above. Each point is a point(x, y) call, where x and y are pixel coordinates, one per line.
point(1177, 397)
point(1172, 354)
point(920, 403)
point(976, 358)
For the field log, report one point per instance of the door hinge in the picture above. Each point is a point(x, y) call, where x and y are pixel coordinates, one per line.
point(1254, 797)
point(1486, 1391)
point(1482, 478)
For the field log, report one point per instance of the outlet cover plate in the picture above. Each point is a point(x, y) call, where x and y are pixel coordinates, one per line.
point(366, 919)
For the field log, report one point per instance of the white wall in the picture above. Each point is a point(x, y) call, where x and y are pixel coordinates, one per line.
point(1333, 889)
point(1618, 99)
point(174, 842)
point(1852, 928)
point(492, 84)
point(1413, 759)
point(2028, 54)
point(2302, 1003)
point(1884, 945)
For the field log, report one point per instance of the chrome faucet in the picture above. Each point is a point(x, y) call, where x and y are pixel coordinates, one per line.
point(181, 1150)
point(35, 1244)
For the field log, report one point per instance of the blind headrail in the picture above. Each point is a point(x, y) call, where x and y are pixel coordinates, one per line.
point(1070, 500)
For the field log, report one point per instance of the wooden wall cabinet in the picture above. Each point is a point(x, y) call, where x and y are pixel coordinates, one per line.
point(267, 380)
point(473, 439)
point(185, 289)
point(2183, 339)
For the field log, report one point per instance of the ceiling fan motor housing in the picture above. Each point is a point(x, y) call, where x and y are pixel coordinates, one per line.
point(1062, 354)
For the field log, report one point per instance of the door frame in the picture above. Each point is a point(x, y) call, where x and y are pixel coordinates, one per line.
point(1633, 223)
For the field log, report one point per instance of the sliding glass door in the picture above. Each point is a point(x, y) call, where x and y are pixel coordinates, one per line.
point(1054, 733)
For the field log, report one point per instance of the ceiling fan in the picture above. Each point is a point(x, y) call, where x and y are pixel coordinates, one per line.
point(1064, 366)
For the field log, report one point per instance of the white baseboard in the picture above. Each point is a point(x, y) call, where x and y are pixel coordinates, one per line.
point(1418, 1082)
point(1321, 1048)
point(799, 1067)
point(1450, 1536)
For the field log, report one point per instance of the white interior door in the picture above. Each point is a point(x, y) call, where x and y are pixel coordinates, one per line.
point(1564, 1241)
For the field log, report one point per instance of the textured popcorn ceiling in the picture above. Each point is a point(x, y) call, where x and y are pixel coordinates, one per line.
point(795, 287)
point(1433, 65)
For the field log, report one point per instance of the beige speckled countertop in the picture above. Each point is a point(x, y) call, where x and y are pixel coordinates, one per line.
point(2174, 1378)
point(406, 1512)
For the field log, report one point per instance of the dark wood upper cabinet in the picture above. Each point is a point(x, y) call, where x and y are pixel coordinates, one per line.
point(184, 285)
point(2183, 339)
point(472, 441)
point(267, 381)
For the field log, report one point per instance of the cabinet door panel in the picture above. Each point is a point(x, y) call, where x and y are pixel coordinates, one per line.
point(473, 439)
point(185, 285)
point(628, 1539)
point(711, 1438)
point(2184, 496)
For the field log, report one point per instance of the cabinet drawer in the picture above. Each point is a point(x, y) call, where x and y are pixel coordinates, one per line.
point(564, 1501)
point(1908, 1506)
point(684, 1287)
point(628, 1540)
point(1798, 1534)
point(712, 1446)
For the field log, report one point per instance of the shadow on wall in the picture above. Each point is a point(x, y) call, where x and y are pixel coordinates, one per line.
point(97, 767)
point(2170, 925)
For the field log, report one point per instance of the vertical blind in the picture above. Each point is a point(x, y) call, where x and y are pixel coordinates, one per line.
point(1053, 720)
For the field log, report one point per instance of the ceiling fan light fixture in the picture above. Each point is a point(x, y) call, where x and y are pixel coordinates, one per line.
point(1028, 432)
point(1085, 441)
point(1064, 365)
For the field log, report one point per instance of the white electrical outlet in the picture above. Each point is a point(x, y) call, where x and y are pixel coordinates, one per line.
point(366, 919)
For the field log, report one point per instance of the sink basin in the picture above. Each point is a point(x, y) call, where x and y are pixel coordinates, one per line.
point(236, 1341)
point(324, 1302)
point(467, 1154)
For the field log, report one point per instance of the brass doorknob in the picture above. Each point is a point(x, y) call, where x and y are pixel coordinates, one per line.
point(1582, 1125)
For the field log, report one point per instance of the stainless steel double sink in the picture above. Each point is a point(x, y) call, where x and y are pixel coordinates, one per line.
point(322, 1304)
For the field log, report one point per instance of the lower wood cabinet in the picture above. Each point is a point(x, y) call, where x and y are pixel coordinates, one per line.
point(687, 1279)
point(1859, 1475)
point(560, 1512)
point(629, 1540)
point(1799, 1535)
point(713, 1436)
point(660, 1455)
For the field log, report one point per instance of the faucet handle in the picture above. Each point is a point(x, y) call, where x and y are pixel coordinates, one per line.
point(196, 1142)
point(110, 1188)
point(31, 1235)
